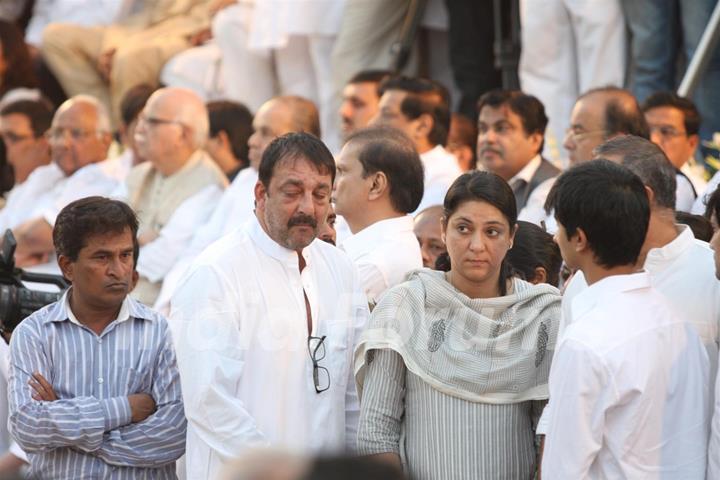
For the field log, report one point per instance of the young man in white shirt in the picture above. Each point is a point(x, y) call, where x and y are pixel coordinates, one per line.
point(629, 380)
point(511, 135)
point(421, 109)
point(379, 182)
point(265, 321)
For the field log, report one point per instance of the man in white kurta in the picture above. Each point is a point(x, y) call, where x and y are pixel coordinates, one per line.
point(249, 318)
point(379, 182)
point(276, 117)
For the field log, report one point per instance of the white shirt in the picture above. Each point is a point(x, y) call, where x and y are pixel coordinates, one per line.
point(441, 170)
point(24, 199)
point(235, 207)
point(629, 389)
point(714, 449)
point(684, 195)
point(240, 332)
point(534, 209)
point(698, 207)
point(683, 271)
point(384, 253)
point(158, 256)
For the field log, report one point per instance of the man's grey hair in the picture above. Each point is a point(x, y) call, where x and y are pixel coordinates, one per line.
point(103, 116)
point(647, 161)
point(195, 115)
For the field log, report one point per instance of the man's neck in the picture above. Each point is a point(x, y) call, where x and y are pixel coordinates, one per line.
point(174, 165)
point(95, 318)
point(594, 273)
point(661, 231)
point(423, 146)
point(369, 216)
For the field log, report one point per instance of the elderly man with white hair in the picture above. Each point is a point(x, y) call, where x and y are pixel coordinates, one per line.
point(79, 139)
point(178, 186)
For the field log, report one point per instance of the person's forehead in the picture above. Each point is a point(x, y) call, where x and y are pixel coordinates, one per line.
point(163, 106)
point(78, 115)
point(665, 114)
point(108, 241)
point(365, 90)
point(300, 170)
point(17, 122)
point(490, 114)
point(590, 111)
point(349, 154)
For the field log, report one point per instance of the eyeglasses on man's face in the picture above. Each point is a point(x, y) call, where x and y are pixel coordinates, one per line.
point(156, 122)
point(77, 134)
point(321, 375)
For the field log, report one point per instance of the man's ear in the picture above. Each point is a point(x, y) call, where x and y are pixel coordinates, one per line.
point(378, 186)
point(694, 140)
point(66, 267)
point(424, 125)
point(135, 278)
point(650, 195)
point(260, 192)
point(580, 240)
point(224, 140)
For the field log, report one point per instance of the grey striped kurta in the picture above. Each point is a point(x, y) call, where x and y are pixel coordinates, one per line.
point(440, 436)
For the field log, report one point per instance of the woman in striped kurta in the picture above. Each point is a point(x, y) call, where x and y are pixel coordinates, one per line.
point(452, 370)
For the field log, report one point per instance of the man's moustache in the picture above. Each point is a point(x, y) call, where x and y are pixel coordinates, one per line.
point(302, 220)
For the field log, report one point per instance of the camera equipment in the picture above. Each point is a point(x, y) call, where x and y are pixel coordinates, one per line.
point(16, 300)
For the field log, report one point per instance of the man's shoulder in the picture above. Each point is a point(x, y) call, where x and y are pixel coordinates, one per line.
point(140, 310)
point(332, 255)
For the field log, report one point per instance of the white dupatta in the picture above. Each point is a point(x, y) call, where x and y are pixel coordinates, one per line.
point(492, 350)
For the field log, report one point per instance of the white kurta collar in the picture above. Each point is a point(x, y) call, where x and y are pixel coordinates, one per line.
point(599, 292)
point(657, 257)
point(372, 236)
point(273, 249)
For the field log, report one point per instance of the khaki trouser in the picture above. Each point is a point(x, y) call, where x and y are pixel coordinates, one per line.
point(72, 52)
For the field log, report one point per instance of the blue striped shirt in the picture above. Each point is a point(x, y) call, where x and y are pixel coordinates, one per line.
point(87, 433)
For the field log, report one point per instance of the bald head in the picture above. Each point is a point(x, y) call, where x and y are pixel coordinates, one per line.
point(429, 234)
point(173, 125)
point(598, 115)
point(278, 116)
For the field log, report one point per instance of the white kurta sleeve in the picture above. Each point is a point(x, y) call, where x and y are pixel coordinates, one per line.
point(205, 321)
point(157, 257)
point(580, 389)
point(352, 402)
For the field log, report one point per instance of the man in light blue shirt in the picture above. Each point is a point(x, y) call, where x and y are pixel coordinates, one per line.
point(94, 388)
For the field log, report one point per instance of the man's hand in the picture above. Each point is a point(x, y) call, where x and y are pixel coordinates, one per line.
point(42, 390)
point(142, 406)
point(200, 37)
point(104, 63)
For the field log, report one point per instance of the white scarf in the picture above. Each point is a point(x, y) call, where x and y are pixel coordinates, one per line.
point(489, 350)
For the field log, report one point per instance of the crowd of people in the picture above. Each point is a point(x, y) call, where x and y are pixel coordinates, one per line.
point(288, 260)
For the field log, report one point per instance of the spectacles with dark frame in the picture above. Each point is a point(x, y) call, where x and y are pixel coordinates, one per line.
point(321, 375)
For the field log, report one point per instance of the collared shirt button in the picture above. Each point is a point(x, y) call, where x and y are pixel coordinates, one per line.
point(100, 380)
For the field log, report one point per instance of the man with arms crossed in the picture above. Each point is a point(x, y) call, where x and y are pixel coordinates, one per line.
point(94, 387)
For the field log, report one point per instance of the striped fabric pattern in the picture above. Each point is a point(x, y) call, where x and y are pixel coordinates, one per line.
point(88, 433)
point(440, 436)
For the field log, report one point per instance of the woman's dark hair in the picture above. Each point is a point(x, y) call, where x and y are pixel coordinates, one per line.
point(351, 468)
point(92, 216)
point(19, 69)
point(484, 187)
point(534, 247)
